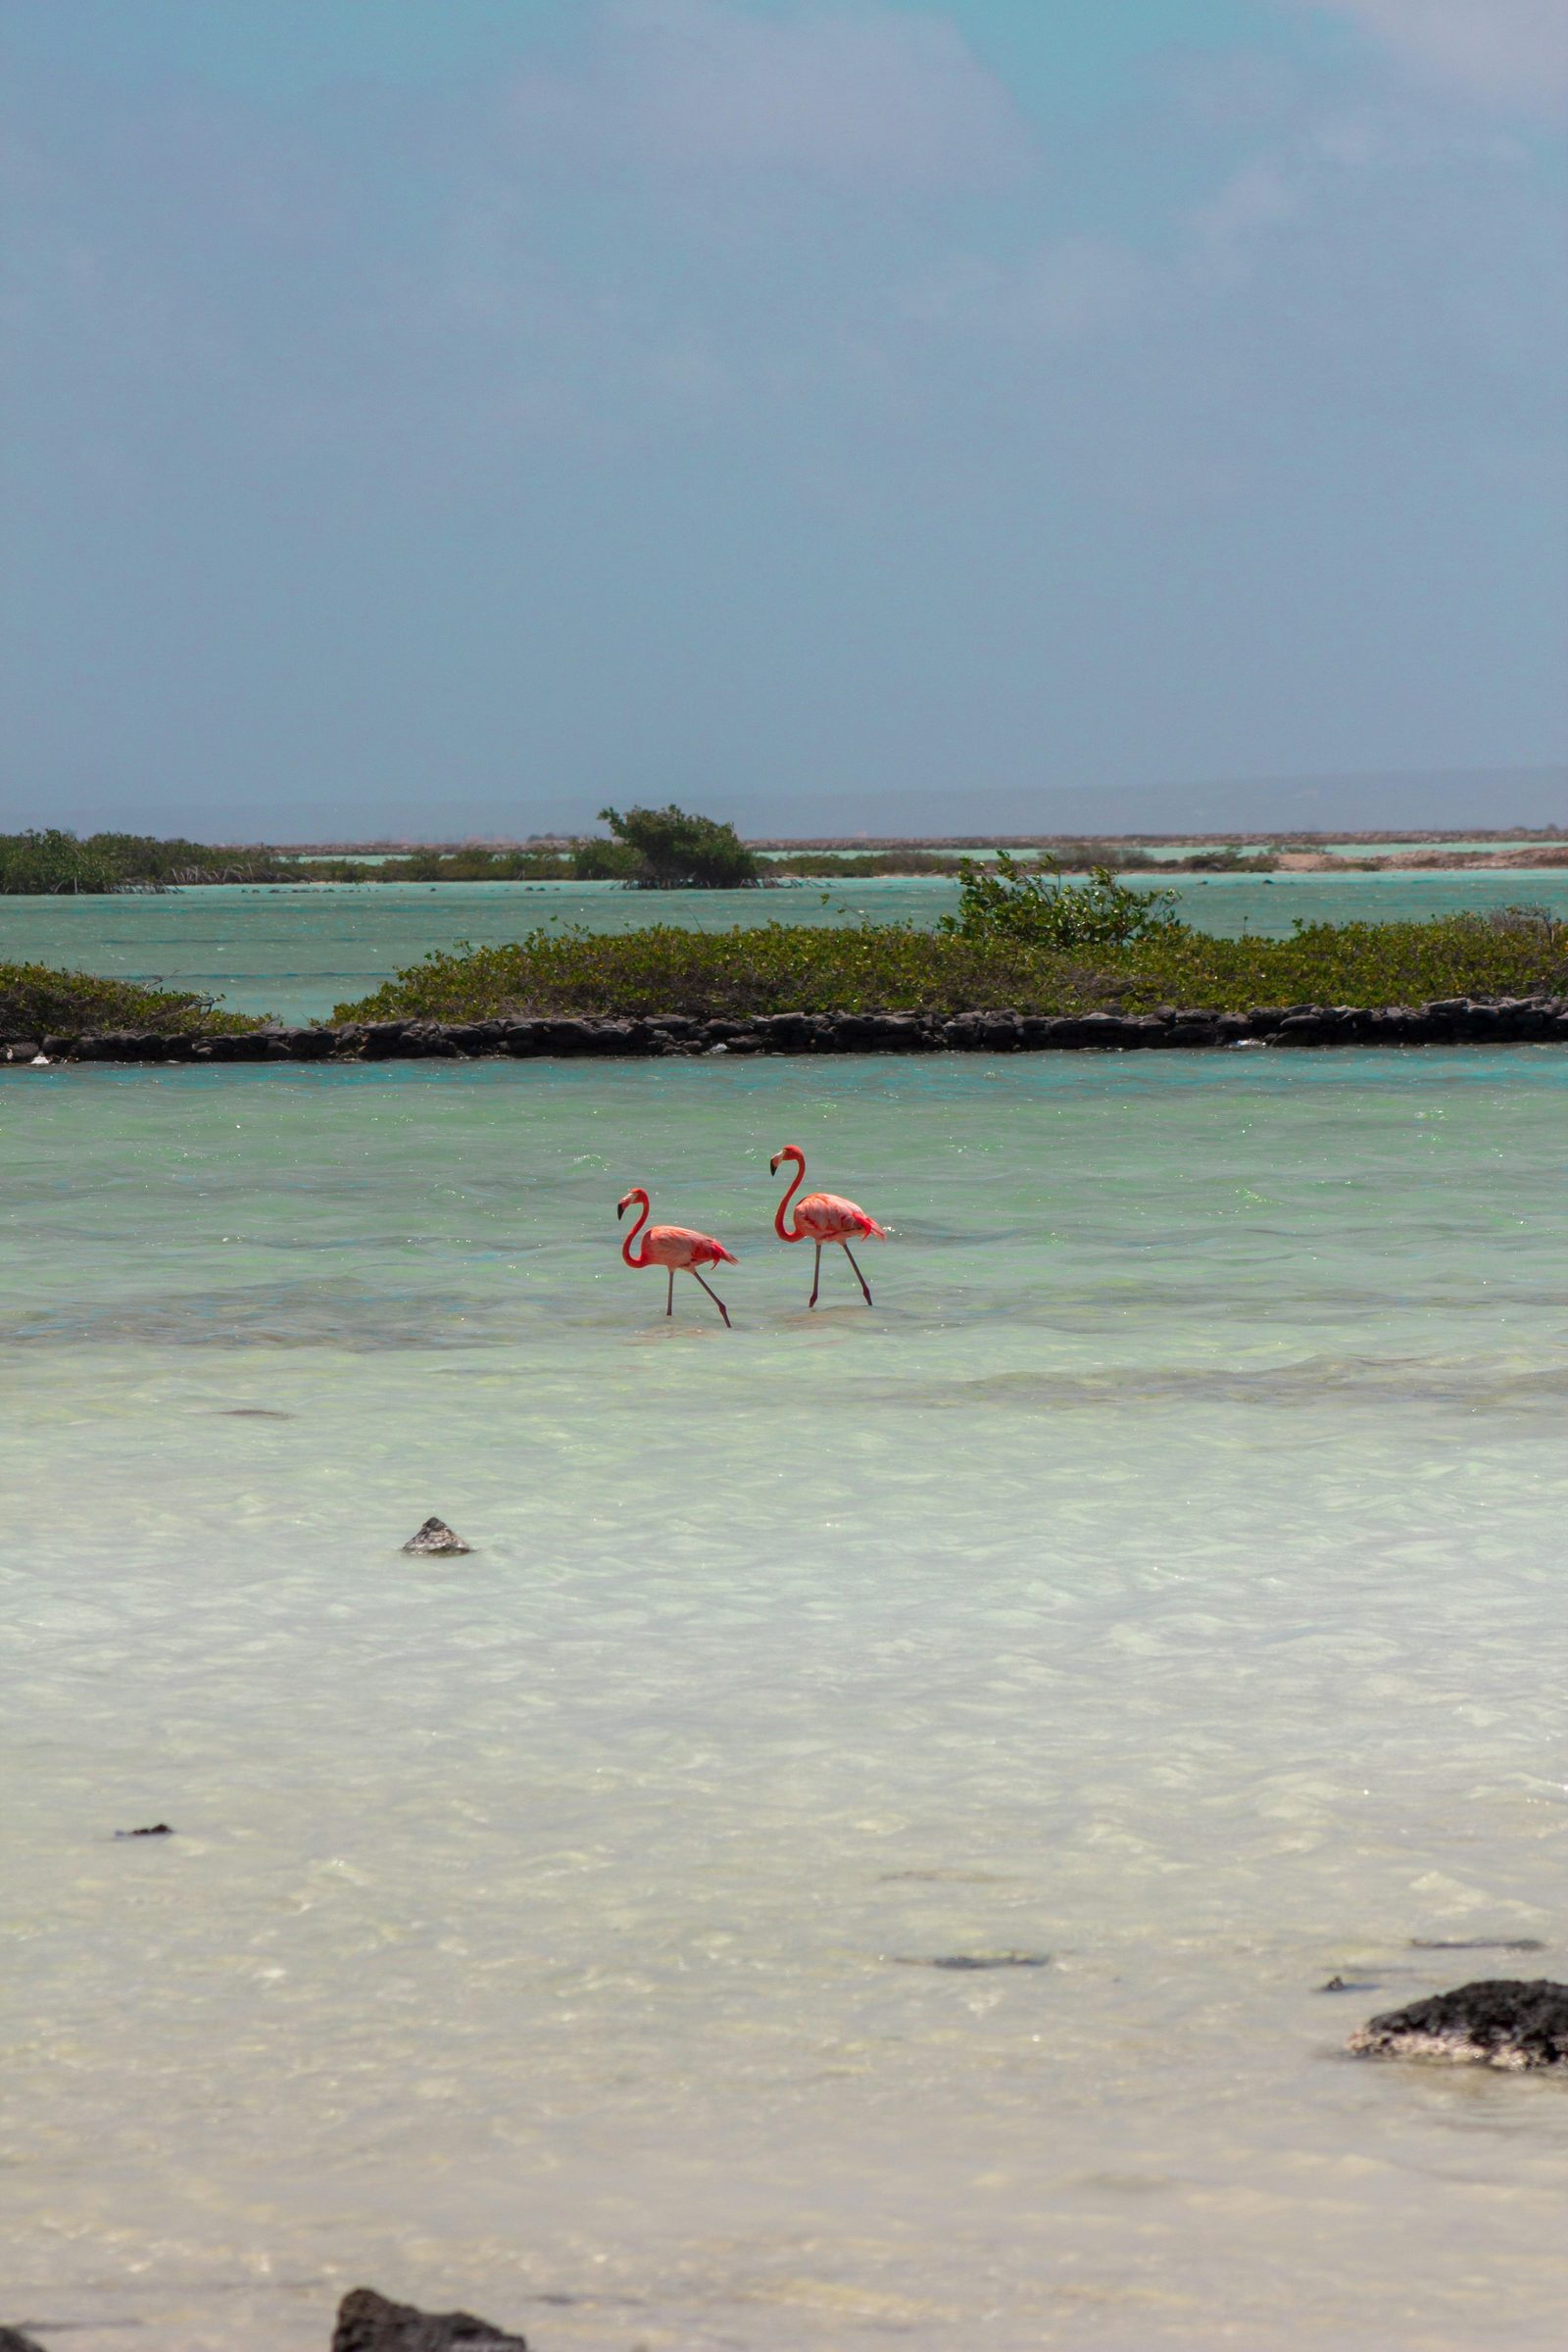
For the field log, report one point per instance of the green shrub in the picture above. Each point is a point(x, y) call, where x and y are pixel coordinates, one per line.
point(822, 866)
point(1231, 861)
point(38, 1000)
point(594, 860)
point(675, 851)
point(37, 865)
point(1009, 900)
point(141, 861)
point(782, 968)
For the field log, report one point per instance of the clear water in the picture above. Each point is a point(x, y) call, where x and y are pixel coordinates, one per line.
point(1165, 1576)
point(298, 951)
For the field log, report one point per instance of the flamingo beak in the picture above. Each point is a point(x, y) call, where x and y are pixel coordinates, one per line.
point(622, 1207)
point(772, 1165)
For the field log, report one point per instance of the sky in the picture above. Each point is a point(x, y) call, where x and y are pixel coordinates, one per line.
point(444, 417)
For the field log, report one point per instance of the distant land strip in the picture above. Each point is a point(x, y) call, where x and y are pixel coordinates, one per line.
point(1282, 837)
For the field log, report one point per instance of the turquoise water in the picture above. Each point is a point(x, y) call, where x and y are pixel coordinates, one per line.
point(298, 951)
point(1164, 1575)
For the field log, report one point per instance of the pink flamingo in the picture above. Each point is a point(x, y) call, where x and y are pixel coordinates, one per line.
point(822, 1217)
point(674, 1246)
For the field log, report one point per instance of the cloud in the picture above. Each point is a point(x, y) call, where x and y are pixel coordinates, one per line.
point(860, 100)
point(1508, 52)
point(1228, 231)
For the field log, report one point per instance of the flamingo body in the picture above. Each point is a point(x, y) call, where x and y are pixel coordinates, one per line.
point(826, 1217)
point(679, 1248)
point(823, 1218)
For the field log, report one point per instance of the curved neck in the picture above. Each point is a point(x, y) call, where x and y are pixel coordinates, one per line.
point(779, 1226)
point(626, 1247)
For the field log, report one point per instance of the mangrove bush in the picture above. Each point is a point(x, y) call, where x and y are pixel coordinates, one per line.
point(890, 967)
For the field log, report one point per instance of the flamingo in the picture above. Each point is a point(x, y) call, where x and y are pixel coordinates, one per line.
point(674, 1246)
point(822, 1217)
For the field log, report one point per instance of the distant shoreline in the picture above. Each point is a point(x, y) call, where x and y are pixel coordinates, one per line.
point(871, 843)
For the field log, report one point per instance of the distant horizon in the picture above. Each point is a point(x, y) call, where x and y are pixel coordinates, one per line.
point(1461, 801)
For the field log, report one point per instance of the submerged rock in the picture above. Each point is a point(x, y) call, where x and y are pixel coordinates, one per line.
point(11, 2339)
point(158, 1828)
point(436, 1536)
point(1476, 1943)
point(1499, 2021)
point(967, 1960)
point(367, 2323)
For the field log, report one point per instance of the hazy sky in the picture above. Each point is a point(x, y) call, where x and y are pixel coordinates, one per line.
point(448, 415)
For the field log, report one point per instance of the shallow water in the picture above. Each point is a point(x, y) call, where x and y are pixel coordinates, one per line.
point(1165, 1576)
point(299, 950)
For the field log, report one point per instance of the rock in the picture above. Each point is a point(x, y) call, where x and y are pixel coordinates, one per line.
point(1502, 2022)
point(570, 1036)
point(301, 1044)
point(11, 2339)
point(1476, 1943)
point(367, 2323)
point(159, 1829)
point(968, 1960)
point(381, 1040)
point(436, 1537)
point(429, 1041)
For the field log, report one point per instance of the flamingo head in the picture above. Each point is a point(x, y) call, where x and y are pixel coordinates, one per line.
point(636, 1196)
point(790, 1152)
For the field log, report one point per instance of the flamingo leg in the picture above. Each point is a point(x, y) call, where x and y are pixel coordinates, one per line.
point(670, 1300)
point(713, 1294)
point(816, 1278)
point(859, 1276)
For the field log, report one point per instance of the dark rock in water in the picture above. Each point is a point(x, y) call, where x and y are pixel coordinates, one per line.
point(367, 2323)
point(159, 1829)
point(1500, 2021)
point(1476, 1943)
point(11, 2339)
point(966, 1960)
point(1349, 1985)
point(436, 1536)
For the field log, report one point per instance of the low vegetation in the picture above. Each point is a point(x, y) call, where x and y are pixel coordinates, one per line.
point(645, 849)
point(53, 862)
point(830, 865)
point(890, 967)
point(37, 1000)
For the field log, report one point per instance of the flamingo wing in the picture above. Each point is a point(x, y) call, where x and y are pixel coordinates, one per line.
point(826, 1217)
point(681, 1246)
